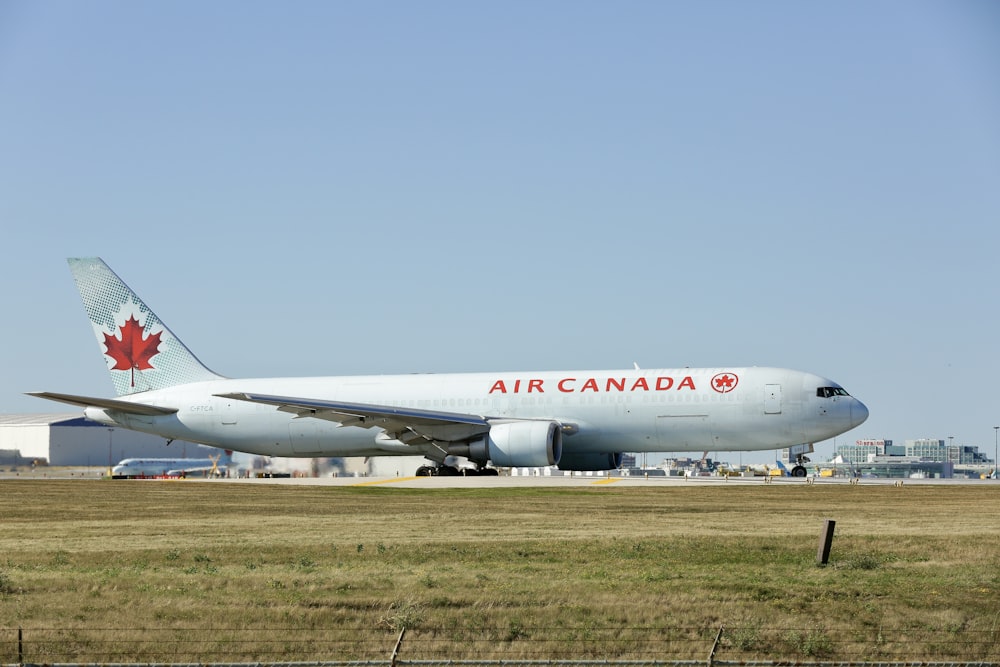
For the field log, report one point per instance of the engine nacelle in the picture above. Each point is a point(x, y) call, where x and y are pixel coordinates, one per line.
point(589, 461)
point(516, 444)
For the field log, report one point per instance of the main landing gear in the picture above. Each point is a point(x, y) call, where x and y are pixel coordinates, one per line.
point(435, 471)
point(454, 471)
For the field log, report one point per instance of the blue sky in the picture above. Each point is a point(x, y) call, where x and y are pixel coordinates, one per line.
point(341, 188)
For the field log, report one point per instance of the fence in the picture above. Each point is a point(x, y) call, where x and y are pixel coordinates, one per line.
point(490, 646)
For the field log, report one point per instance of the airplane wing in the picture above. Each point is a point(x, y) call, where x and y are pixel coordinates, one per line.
point(404, 424)
point(106, 403)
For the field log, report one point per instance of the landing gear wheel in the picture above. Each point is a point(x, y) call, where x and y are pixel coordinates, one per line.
point(425, 471)
point(798, 471)
point(447, 471)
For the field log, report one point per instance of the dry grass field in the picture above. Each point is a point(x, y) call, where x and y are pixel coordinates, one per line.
point(184, 571)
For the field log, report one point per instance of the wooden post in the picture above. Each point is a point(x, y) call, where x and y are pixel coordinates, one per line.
point(395, 651)
point(825, 542)
point(715, 646)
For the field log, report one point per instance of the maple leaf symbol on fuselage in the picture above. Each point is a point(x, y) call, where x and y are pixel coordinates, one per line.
point(132, 352)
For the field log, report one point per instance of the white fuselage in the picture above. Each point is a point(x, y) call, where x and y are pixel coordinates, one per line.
point(687, 409)
point(160, 467)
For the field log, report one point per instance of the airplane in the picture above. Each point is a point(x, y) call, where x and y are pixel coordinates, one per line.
point(576, 420)
point(211, 467)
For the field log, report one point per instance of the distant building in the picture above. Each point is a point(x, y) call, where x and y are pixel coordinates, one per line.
point(863, 450)
point(926, 449)
point(71, 440)
point(936, 450)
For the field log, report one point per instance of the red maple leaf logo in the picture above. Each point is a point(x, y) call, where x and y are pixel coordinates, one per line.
point(132, 352)
point(725, 382)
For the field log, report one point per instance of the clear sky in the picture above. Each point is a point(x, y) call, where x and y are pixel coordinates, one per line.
point(328, 188)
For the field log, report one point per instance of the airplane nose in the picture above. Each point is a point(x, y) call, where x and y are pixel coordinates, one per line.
point(859, 413)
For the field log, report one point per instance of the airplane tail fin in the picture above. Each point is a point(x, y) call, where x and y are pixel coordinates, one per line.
point(141, 352)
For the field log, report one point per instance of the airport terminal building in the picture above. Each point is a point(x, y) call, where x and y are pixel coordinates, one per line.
point(928, 449)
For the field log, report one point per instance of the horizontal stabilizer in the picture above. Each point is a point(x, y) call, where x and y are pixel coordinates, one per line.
point(106, 403)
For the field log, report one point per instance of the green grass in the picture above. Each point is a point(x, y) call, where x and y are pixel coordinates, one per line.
point(101, 570)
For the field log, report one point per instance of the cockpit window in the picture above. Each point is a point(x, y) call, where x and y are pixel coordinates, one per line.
point(830, 392)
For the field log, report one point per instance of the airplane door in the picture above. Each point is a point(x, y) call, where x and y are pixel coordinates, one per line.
point(227, 412)
point(772, 399)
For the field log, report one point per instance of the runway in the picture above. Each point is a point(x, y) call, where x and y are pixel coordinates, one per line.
point(563, 481)
point(504, 481)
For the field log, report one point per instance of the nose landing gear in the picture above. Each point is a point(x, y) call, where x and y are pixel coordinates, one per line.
point(798, 455)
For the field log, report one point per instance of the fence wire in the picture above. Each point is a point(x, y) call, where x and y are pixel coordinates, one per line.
point(297, 646)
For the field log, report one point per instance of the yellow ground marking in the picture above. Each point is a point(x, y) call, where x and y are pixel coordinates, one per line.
point(607, 481)
point(386, 481)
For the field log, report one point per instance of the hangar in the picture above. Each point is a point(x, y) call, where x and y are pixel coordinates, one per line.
point(62, 439)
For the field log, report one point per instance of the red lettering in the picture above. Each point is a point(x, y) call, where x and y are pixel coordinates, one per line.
point(567, 385)
point(617, 384)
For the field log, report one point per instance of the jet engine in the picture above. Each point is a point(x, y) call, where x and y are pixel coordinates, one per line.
point(590, 461)
point(523, 443)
